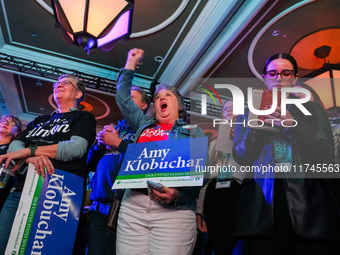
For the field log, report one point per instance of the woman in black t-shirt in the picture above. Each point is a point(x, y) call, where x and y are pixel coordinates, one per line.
point(60, 140)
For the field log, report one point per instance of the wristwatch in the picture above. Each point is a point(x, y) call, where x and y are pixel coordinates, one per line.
point(33, 148)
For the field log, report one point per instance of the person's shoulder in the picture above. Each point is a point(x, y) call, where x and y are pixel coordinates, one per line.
point(193, 129)
point(314, 105)
point(41, 118)
point(315, 109)
point(148, 120)
point(84, 114)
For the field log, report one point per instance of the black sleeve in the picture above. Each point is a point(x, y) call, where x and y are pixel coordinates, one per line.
point(95, 154)
point(123, 145)
point(85, 127)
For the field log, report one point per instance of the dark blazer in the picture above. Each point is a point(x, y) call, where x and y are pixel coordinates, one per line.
point(310, 202)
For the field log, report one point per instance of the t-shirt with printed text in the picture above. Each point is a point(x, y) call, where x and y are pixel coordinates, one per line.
point(156, 133)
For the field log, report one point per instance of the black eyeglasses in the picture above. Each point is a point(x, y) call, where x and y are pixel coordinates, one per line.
point(285, 74)
point(6, 122)
point(64, 84)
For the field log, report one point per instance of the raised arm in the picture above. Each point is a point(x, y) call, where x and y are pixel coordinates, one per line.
point(131, 112)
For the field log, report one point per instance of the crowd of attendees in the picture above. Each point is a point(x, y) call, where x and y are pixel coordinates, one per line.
point(232, 213)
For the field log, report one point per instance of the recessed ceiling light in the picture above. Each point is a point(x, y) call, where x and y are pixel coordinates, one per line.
point(158, 59)
point(276, 32)
point(34, 34)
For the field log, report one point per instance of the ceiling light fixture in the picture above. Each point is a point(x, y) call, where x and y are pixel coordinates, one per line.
point(94, 23)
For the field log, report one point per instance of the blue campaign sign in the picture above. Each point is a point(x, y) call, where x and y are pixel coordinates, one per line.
point(174, 155)
point(48, 214)
point(169, 159)
point(57, 214)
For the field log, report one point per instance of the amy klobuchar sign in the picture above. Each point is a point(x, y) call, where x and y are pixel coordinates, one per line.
point(172, 163)
point(47, 217)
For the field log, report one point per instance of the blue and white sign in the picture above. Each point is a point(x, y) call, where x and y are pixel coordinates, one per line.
point(173, 163)
point(47, 217)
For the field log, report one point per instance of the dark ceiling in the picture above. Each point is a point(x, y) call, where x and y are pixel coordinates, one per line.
point(183, 40)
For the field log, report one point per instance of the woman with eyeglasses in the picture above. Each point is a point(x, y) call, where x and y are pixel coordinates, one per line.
point(10, 127)
point(60, 140)
point(287, 212)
